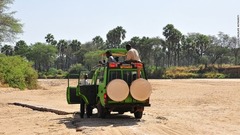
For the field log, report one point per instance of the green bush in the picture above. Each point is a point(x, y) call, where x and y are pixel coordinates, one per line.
point(52, 73)
point(17, 72)
point(155, 73)
point(76, 69)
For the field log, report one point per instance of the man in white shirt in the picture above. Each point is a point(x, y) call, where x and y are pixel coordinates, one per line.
point(110, 57)
point(132, 54)
point(85, 81)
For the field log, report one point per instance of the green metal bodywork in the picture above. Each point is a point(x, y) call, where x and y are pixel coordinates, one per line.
point(102, 86)
point(76, 89)
point(100, 79)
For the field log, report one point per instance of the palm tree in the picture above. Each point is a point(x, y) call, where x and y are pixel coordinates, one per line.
point(115, 37)
point(73, 47)
point(50, 39)
point(173, 38)
point(62, 48)
point(98, 42)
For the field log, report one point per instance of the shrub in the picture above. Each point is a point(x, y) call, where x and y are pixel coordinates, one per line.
point(155, 73)
point(17, 72)
point(181, 72)
point(76, 69)
point(52, 71)
point(214, 75)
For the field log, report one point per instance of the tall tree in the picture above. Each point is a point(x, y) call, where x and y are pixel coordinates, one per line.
point(188, 47)
point(71, 51)
point(115, 37)
point(62, 49)
point(231, 42)
point(216, 53)
point(173, 38)
point(98, 42)
point(202, 44)
point(43, 56)
point(75, 45)
point(9, 26)
point(21, 48)
point(235, 50)
point(158, 52)
point(50, 39)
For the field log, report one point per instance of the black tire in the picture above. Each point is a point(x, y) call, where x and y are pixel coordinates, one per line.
point(82, 109)
point(138, 115)
point(89, 110)
point(101, 110)
point(120, 112)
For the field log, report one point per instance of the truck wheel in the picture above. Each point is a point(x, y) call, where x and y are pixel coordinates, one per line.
point(82, 109)
point(101, 111)
point(89, 111)
point(138, 115)
point(120, 112)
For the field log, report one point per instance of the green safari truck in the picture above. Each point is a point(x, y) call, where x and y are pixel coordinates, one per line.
point(115, 87)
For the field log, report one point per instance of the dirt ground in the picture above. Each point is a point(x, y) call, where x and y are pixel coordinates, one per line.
point(178, 107)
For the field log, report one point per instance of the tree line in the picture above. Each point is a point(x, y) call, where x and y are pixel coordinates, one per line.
point(173, 49)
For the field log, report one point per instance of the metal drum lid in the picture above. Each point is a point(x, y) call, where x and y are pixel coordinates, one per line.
point(117, 90)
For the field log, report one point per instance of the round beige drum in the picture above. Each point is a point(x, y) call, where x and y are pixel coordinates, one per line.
point(117, 90)
point(140, 89)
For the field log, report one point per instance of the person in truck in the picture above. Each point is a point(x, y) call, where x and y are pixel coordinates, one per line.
point(110, 57)
point(132, 54)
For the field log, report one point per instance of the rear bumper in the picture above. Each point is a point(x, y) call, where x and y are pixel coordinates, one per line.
point(126, 107)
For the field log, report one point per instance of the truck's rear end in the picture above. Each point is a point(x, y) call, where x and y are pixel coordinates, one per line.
point(123, 87)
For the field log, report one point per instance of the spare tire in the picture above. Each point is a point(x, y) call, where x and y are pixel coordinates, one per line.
point(140, 89)
point(117, 90)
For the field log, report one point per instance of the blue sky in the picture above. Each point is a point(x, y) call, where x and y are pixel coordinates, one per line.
point(85, 19)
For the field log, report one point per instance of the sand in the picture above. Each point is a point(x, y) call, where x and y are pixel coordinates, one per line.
point(178, 107)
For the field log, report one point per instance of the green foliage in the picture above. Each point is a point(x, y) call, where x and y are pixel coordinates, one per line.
point(155, 73)
point(76, 69)
point(17, 72)
point(92, 58)
point(52, 73)
point(42, 55)
point(21, 48)
point(157, 53)
point(115, 37)
point(9, 26)
point(2, 55)
point(50, 39)
point(7, 50)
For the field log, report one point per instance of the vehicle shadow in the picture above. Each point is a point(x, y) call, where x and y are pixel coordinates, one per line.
point(113, 120)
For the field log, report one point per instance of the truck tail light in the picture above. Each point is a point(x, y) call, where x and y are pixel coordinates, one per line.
point(138, 65)
point(113, 65)
point(105, 97)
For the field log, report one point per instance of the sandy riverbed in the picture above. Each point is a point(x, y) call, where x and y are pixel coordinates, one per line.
point(178, 107)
